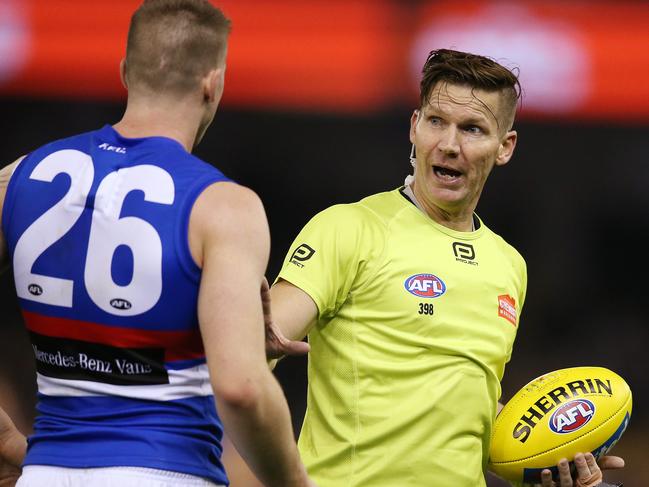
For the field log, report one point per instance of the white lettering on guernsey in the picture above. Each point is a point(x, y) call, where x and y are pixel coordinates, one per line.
point(108, 231)
point(112, 148)
point(96, 365)
point(54, 358)
point(132, 368)
point(74, 359)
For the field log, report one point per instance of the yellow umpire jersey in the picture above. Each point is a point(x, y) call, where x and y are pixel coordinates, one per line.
point(416, 322)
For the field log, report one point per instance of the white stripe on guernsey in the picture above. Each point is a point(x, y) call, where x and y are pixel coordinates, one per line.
point(184, 383)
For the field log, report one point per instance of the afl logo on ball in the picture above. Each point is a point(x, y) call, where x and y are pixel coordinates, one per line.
point(425, 286)
point(572, 416)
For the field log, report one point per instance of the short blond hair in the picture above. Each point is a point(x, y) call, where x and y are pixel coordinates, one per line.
point(172, 44)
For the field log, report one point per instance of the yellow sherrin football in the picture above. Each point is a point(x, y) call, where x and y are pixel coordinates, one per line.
point(581, 409)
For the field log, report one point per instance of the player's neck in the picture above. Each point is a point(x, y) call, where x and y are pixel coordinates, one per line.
point(150, 119)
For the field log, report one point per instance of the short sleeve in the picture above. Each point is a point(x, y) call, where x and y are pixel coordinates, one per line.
point(523, 288)
point(331, 253)
point(520, 269)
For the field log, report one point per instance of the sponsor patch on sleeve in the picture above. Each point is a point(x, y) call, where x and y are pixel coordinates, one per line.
point(507, 308)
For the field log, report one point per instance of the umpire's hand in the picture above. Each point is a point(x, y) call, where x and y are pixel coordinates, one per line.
point(589, 473)
point(277, 345)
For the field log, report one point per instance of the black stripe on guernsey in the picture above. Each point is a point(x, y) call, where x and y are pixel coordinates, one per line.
point(476, 220)
point(64, 358)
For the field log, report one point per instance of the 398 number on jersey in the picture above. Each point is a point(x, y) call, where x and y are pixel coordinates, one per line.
point(426, 309)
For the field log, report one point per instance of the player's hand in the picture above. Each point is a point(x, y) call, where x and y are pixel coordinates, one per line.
point(12, 451)
point(589, 473)
point(277, 345)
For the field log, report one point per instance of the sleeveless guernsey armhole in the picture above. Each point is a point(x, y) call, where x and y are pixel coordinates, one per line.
point(182, 224)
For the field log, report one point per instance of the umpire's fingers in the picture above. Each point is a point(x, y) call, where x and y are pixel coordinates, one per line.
point(582, 466)
point(592, 464)
point(565, 479)
point(611, 463)
point(546, 479)
point(295, 347)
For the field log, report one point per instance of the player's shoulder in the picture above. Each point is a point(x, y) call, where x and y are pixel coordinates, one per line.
point(77, 141)
point(230, 194)
point(227, 212)
point(228, 206)
point(191, 162)
point(26, 163)
point(7, 171)
point(228, 199)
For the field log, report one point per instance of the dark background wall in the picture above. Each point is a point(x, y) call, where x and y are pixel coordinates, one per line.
point(573, 200)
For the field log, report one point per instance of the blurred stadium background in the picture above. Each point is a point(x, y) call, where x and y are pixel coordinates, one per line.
point(315, 112)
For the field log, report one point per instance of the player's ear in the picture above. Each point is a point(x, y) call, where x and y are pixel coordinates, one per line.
point(506, 148)
point(212, 84)
point(122, 73)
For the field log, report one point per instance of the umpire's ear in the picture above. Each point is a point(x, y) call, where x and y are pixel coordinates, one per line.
point(506, 148)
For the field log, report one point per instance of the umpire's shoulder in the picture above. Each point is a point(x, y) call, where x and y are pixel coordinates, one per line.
point(352, 217)
point(509, 251)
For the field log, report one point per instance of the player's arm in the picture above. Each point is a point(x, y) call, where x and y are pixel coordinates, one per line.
point(229, 226)
point(13, 446)
point(5, 175)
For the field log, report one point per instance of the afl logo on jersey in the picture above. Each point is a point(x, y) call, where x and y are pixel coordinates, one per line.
point(35, 289)
point(120, 303)
point(572, 416)
point(425, 286)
